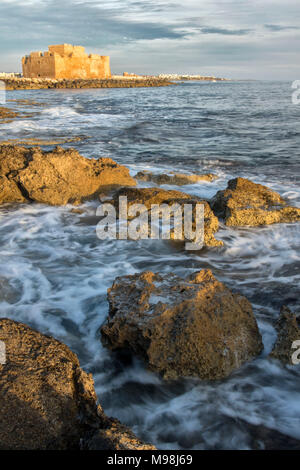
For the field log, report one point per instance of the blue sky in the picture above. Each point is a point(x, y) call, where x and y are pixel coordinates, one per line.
point(230, 38)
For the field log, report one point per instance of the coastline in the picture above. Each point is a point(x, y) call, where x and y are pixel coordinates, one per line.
point(55, 229)
point(48, 83)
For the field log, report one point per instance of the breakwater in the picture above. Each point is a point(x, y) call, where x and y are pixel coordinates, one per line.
point(46, 83)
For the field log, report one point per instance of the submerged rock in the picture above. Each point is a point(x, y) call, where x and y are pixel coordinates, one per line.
point(178, 179)
point(152, 196)
point(247, 203)
point(57, 177)
point(48, 401)
point(7, 115)
point(181, 327)
point(263, 438)
point(288, 328)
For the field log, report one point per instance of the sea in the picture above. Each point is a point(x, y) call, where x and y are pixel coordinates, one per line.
point(55, 272)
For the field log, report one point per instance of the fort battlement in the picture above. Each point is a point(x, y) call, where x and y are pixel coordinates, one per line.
point(65, 61)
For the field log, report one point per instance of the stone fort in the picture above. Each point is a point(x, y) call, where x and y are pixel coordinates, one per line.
point(65, 61)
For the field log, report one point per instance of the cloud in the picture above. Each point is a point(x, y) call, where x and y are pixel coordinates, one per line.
point(277, 27)
point(224, 31)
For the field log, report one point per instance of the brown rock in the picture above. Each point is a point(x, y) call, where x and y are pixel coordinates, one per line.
point(247, 203)
point(114, 437)
point(57, 177)
point(192, 327)
point(288, 328)
point(6, 114)
point(47, 401)
point(178, 179)
point(151, 196)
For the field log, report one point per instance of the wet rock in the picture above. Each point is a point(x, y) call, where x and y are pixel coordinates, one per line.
point(114, 436)
point(151, 196)
point(47, 400)
point(177, 179)
point(288, 328)
point(247, 203)
point(7, 115)
point(263, 438)
point(57, 177)
point(181, 327)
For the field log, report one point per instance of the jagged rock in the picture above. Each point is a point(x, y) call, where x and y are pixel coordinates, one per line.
point(57, 177)
point(181, 327)
point(48, 401)
point(151, 196)
point(178, 179)
point(288, 328)
point(114, 436)
point(247, 203)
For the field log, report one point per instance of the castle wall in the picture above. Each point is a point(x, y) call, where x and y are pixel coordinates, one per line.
point(38, 65)
point(66, 61)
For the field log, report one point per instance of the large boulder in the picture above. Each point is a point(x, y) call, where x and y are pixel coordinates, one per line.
point(288, 329)
point(181, 327)
point(177, 179)
point(153, 196)
point(246, 203)
point(48, 401)
point(57, 177)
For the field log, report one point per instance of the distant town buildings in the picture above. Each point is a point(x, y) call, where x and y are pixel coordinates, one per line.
point(65, 61)
point(174, 76)
point(10, 75)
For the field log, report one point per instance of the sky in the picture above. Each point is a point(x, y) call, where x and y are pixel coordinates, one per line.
point(241, 39)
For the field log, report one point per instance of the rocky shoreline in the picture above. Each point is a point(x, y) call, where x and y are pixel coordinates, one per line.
point(47, 83)
point(48, 402)
point(181, 327)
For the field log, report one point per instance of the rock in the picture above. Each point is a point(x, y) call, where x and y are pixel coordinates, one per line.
point(47, 400)
point(247, 203)
point(178, 179)
point(181, 327)
point(115, 436)
point(57, 177)
point(42, 83)
point(263, 438)
point(150, 196)
point(6, 114)
point(288, 328)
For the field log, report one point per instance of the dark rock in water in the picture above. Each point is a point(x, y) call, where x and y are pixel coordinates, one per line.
point(247, 203)
point(288, 328)
point(48, 401)
point(57, 177)
point(152, 196)
point(178, 179)
point(181, 327)
point(263, 438)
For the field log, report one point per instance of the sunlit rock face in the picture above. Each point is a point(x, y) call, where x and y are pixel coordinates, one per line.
point(181, 327)
point(57, 177)
point(247, 203)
